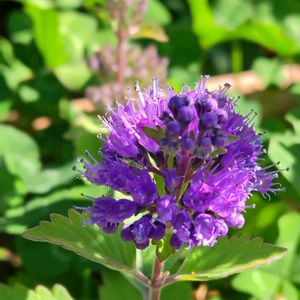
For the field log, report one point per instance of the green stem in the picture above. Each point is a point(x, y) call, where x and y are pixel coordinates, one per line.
point(237, 57)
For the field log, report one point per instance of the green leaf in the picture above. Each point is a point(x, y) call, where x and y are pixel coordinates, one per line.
point(47, 34)
point(261, 284)
point(269, 70)
point(20, 153)
point(5, 106)
point(155, 134)
point(157, 13)
point(17, 219)
point(73, 24)
point(74, 75)
point(68, 3)
point(179, 290)
point(13, 70)
point(19, 292)
point(56, 261)
point(48, 179)
point(151, 31)
point(115, 287)
point(164, 248)
point(87, 241)
point(217, 152)
point(230, 14)
point(160, 184)
point(272, 281)
point(286, 149)
point(293, 117)
point(19, 27)
point(228, 256)
point(241, 20)
point(289, 237)
point(28, 94)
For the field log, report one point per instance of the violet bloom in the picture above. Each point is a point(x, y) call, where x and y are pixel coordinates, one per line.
point(205, 153)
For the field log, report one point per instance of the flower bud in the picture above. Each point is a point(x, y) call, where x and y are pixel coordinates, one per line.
point(209, 120)
point(185, 115)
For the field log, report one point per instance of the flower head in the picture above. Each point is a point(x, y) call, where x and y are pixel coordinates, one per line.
point(194, 145)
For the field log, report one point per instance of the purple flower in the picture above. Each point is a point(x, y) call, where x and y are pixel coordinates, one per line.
point(142, 230)
point(107, 213)
point(203, 155)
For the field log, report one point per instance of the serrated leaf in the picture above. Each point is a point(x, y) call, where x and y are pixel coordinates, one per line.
point(275, 280)
point(87, 241)
point(227, 257)
point(19, 292)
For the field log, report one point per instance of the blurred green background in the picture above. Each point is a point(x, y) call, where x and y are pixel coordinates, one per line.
point(62, 61)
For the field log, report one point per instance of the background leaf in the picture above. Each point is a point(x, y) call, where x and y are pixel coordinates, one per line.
point(276, 279)
point(20, 153)
point(19, 292)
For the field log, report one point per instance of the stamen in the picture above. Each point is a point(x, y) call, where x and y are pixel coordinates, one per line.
point(154, 84)
point(88, 197)
point(141, 99)
point(90, 155)
point(226, 87)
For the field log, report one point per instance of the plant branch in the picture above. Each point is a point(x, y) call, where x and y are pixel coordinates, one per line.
point(157, 280)
point(121, 56)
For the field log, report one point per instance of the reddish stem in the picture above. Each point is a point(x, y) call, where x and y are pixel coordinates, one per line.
point(121, 59)
point(156, 280)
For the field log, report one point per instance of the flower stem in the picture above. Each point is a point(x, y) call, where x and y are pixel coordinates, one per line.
point(156, 280)
point(121, 57)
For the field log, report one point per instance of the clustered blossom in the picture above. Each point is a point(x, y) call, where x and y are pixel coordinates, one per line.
point(197, 148)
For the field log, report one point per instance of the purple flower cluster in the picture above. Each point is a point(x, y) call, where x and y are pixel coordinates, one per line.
point(202, 154)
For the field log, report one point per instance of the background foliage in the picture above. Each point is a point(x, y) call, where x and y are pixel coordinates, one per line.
point(52, 80)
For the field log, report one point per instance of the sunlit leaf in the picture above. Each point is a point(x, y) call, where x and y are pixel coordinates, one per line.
point(269, 70)
point(293, 117)
point(275, 280)
point(20, 153)
point(151, 31)
point(19, 27)
point(237, 19)
point(227, 257)
point(17, 219)
point(157, 13)
point(73, 76)
point(50, 178)
point(19, 292)
point(286, 149)
point(87, 241)
point(47, 34)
